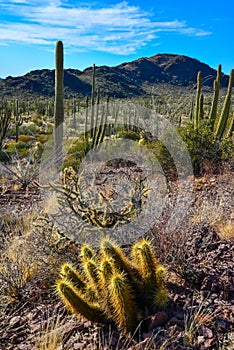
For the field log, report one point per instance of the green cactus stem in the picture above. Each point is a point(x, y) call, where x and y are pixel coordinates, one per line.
point(18, 119)
point(222, 122)
point(69, 273)
point(196, 120)
point(126, 313)
point(58, 104)
point(92, 103)
point(77, 303)
point(214, 106)
point(86, 118)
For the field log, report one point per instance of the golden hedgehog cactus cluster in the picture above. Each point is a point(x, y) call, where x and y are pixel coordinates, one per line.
point(110, 287)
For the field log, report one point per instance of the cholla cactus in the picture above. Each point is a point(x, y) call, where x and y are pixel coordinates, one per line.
point(76, 194)
point(112, 287)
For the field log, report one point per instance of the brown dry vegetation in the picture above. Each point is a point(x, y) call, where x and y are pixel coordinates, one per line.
point(199, 257)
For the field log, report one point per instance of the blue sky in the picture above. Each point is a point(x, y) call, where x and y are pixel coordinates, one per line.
point(112, 32)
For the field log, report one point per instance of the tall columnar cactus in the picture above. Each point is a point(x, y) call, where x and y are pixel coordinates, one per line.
point(59, 105)
point(86, 117)
point(18, 119)
point(92, 102)
point(213, 111)
point(201, 107)
point(74, 112)
point(230, 128)
point(223, 119)
point(197, 103)
point(114, 288)
point(5, 121)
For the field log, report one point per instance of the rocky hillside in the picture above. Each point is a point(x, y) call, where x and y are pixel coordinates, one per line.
point(130, 79)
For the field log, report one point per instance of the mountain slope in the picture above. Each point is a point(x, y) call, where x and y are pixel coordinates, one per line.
point(130, 79)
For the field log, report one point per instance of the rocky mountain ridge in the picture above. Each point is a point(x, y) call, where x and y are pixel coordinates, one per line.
point(129, 79)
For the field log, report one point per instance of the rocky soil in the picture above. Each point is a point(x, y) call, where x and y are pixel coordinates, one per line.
point(199, 315)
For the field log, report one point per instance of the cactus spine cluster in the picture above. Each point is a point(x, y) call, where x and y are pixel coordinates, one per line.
point(112, 287)
point(59, 105)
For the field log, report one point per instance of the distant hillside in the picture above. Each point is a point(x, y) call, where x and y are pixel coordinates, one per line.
point(131, 79)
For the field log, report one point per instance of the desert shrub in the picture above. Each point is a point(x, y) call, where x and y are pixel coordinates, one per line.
point(25, 138)
point(202, 145)
point(164, 158)
point(42, 138)
point(30, 256)
point(76, 153)
point(129, 134)
point(227, 148)
point(29, 129)
point(22, 170)
point(21, 148)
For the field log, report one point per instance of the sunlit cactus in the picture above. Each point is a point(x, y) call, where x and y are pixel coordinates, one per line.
point(223, 119)
point(213, 111)
point(111, 287)
point(197, 104)
point(58, 105)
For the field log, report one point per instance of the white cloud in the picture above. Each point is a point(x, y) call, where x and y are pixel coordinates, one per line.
point(118, 29)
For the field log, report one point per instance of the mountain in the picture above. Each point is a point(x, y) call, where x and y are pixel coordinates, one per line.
point(130, 79)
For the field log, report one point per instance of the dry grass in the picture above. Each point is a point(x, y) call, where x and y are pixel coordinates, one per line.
point(196, 318)
point(50, 336)
point(226, 229)
point(30, 259)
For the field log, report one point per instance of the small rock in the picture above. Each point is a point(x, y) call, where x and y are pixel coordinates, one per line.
point(176, 321)
point(157, 320)
point(141, 346)
point(200, 339)
point(78, 346)
point(15, 321)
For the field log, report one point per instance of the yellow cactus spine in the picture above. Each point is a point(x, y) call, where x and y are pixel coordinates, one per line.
point(144, 259)
point(86, 252)
point(69, 273)
point(113, 287)
point(126, 313)
point(121, 262)
point(77, 304)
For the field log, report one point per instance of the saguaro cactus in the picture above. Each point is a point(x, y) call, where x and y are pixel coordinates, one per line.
point(18, 119)
point(222, 122)
point(198, 102)
point(58, 106)
point(5, 121)
point(213, 111)
point(92, 103)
